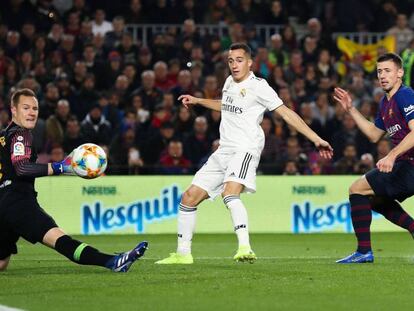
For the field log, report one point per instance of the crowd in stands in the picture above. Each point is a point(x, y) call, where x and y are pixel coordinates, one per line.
point(97, 83)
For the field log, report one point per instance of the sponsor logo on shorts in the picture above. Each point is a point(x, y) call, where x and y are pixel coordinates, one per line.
point(18, 149)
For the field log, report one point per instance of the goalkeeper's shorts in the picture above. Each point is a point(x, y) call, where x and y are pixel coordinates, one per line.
point(21, 216)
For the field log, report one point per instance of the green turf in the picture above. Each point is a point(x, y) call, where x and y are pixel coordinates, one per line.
point(293, 272)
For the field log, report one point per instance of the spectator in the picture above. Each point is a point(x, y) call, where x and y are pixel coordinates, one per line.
point(184, 85)
point(28, 35)
point(115, 37)
point(271, 149)
point(73, 137)
point(155, 147)
point(219, 12)
point(211, 89)
point(95, 128)
point(56, 123)
point(161, 76)
point(184, 121)
point(349, 134)
point(127, 49)
point(85, 33)
point(310, 51)
point(347, 164)
point(150, 95)
point(277, 54)
point(85, 98)
point(57, 153)
point(365, 164)
point(322, 111)
point(48, 105)
point(124, 154)
point(402, 32)
point(246, 12)
point(112, 70)
point(198, 143)
point(144, 61)
point(100, 26)
point(291, 168)
point(142, 113)
point(55, 36)
point(277, 14)
point(262, 66)
point(189, 32)
point(295, 68)
point(73, 24)
point(174, 163)
point(135, 14)
point(79, 74)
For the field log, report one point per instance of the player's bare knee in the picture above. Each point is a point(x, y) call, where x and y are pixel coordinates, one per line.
point(3, 265)
point(189, 198)
point(354, 189)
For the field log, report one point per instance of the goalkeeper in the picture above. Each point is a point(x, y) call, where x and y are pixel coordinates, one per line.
point(20, 213)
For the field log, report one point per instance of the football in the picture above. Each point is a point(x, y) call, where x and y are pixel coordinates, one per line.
point(89, 161)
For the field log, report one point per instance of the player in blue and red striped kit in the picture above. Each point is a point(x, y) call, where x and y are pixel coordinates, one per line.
point(392, 181)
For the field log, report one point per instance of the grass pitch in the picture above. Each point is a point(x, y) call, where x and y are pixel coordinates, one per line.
point(293, 272)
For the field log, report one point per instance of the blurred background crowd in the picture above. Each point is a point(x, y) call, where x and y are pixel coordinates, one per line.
point(98, 81)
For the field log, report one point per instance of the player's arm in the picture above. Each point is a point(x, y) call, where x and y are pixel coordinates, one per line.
point(386, 164)
point(370, 130)
point(21, 151)
point(213, 104)
point(293, 119)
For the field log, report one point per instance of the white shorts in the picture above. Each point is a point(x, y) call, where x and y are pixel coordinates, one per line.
point(223, 166)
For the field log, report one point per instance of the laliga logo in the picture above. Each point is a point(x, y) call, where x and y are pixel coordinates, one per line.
point(97, 219)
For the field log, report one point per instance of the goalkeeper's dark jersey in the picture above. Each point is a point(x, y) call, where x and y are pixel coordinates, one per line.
point(17, 157)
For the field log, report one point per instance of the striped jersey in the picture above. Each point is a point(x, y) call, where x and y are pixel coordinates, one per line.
point(17, 157)
point(393, 117)
point(242, 107)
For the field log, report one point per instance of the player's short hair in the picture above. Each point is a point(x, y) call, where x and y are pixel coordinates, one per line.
point(241, 46)
point(15, 97)
point(395, 58)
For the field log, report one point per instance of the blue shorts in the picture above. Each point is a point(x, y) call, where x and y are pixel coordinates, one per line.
point(398, 184)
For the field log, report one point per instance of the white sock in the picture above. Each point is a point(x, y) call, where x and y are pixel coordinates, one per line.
point(186, 225)
point(239, 216)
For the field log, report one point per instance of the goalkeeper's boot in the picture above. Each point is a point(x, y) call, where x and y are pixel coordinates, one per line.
point(358, 258)
point(122, 262)
point(176, 259)
point(245, 254)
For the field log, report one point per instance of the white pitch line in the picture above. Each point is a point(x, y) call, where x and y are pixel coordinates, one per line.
point(278, 257)
point(6, 308)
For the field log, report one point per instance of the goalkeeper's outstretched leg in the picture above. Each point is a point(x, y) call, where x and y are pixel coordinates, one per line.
point(83, 254)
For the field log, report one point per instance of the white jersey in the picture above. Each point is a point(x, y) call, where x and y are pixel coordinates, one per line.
point(242, 107)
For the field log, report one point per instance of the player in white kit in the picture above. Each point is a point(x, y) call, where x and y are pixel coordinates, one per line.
point(231, 169)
